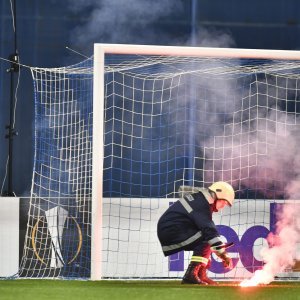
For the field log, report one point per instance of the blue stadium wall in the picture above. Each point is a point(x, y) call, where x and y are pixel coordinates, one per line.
point(45, 28)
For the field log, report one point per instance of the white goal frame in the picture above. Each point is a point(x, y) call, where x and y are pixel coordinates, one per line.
point(100, 50)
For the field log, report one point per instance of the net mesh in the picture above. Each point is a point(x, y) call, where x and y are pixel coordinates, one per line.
point(168, 122)
point(59, 222)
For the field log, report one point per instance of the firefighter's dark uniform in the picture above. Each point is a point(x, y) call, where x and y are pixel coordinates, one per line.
point(188, 225)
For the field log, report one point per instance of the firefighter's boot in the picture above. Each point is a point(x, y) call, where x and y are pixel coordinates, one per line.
point(202, 275)
point(191, 275)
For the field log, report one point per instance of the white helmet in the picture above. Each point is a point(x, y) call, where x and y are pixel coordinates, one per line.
point(223, 190)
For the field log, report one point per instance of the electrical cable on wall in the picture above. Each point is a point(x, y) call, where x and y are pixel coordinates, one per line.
point(14, 68)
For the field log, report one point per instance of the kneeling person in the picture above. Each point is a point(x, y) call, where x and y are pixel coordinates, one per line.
point(188, 225)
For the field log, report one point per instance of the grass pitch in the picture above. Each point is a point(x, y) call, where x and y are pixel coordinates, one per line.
point(142, 290)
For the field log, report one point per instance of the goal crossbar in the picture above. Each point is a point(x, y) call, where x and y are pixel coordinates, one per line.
point(197, 51)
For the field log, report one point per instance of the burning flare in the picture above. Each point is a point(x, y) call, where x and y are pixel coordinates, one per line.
point(282, 253)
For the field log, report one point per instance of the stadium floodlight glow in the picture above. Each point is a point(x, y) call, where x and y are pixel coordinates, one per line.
point(117, 136)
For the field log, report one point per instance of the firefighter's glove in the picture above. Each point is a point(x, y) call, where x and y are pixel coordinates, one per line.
point(226, 259)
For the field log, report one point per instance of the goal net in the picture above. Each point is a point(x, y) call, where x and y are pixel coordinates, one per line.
point(115, 138)
point(58, 237)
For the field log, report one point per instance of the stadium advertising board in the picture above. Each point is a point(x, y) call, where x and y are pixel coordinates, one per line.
point(9, 236)
point(130, 226)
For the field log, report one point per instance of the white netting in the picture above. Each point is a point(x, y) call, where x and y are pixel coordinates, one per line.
point(168, 121)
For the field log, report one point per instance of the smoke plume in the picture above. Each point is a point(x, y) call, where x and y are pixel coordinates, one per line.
point(115, 21)
point(282, 253)
point(259, 144)
point(258, 150)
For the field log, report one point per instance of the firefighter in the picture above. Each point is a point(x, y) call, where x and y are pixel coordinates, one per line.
point(188, 225)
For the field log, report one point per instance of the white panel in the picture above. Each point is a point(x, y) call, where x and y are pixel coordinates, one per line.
point(9, 236)
point(131, 247)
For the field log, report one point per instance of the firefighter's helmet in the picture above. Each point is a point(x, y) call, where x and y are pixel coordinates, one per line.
point(223, 190)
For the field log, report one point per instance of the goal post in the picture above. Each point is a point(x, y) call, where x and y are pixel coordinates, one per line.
point(97, 168)
point(260, 61)
point(117, 136)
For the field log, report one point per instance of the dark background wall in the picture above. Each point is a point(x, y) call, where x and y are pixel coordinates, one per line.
point(45, 28)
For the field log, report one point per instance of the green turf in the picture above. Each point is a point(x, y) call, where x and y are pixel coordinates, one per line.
point(142, 290)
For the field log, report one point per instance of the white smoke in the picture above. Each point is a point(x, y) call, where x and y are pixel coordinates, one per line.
point(115, 21)
point(148, 22)
point(211, 37)
point(269, 138)
point(260, 141)
point(278, 161)
point(258, 149)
